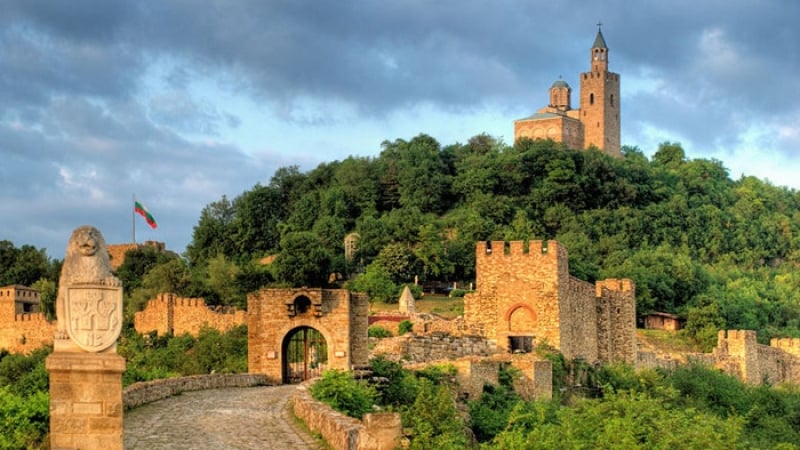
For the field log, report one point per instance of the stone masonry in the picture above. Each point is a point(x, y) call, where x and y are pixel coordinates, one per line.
point(339, 315)
point(22, 327)
point(171, 314)
point(526, 296)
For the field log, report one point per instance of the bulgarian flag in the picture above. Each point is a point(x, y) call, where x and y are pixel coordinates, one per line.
point(141, 210)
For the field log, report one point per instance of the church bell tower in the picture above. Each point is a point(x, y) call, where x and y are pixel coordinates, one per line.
point(600, 102)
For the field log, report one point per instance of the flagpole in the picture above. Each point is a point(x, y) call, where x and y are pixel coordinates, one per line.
point(133, 218)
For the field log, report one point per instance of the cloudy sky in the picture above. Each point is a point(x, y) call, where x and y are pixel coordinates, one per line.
point(181, 102)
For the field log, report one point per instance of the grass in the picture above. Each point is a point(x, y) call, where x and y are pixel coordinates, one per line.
point(671, 342)
point(436, 304)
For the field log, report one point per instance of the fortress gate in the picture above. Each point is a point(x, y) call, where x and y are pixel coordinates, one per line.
point(295, 334)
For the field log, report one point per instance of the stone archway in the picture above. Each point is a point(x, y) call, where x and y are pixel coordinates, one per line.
point(304, 354)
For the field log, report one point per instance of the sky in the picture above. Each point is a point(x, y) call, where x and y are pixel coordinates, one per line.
point(182, 102)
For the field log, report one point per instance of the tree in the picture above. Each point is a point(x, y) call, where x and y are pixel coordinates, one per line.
point(48, 290)
point(255, 229)
point(303, 260)
point(422, 180)
point(213, 233)
point(399, 262)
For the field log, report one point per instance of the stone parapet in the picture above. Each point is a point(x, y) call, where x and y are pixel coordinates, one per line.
point(379, 431)
point(141, 393)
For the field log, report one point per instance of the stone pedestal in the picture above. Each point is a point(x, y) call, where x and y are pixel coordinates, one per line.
point(86, 400)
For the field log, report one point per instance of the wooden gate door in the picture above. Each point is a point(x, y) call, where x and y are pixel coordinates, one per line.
point(305, 355)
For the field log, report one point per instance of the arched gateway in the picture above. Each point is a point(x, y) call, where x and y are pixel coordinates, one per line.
point(294, 334)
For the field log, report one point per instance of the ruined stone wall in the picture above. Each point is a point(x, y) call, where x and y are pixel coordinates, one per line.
point(359, 323)
point(578, 316)
point(473, 374)
point(433, 347)
point(616, 320)
point(169, 313)
point(739, 354)
point(535, 380)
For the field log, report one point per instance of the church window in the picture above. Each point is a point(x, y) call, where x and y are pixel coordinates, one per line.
point(591, 99)
point(612, 99)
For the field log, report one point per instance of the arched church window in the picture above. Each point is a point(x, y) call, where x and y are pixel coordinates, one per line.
point(591, 99)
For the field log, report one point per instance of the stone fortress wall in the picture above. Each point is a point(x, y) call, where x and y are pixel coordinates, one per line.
point(116, 252)
point(22, 327)
point(525, 292)
point(171, 314)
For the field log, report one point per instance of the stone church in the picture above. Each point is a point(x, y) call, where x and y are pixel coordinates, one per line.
point(597, 121)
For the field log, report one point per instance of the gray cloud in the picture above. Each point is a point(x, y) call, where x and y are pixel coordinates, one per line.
point(80, 130)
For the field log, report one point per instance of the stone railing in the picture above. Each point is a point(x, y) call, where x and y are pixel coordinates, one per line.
point(141, 393)
point(379, 431)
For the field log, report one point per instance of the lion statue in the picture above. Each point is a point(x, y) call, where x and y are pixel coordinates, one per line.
point(86, 262)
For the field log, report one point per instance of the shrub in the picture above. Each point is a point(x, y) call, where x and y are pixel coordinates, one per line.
point(404, 327)
point(24, 420)
point(379, 332)
point(395, 386)
point(458, 293)
point(344, 393)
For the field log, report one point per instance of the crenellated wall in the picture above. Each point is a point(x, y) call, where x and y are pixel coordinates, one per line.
point(739, 354)
point(20, 331)
point(169, 313)
point(525, 293)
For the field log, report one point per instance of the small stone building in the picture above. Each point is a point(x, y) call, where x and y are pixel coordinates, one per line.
point(662, 321)
point(525, 296)
point(295, 334)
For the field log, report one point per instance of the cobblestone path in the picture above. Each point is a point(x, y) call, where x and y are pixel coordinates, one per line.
point(235, 418)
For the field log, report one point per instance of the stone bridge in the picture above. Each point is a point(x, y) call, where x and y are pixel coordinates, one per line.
point(227, 418)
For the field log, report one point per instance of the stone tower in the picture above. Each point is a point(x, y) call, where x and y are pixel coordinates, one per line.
point(595, 123)
point(600, 102)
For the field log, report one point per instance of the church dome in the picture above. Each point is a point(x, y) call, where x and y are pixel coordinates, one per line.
point(560, 84)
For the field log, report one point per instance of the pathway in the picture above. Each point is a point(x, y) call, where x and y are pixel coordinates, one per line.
point(234, 418)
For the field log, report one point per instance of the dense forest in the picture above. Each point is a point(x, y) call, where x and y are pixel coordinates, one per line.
point(721, 253)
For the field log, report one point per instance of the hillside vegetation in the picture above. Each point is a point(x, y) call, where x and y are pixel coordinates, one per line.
point(719, 252)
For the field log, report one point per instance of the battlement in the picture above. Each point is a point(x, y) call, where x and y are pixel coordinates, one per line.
point(30, 317)
point(189, 302)
point(743, 336)
point(624, 285)
point(518, 248)
point(788, 345)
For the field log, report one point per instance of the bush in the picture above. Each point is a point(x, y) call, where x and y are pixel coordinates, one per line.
point(24, 420)
point(378, 332)
point(344, 393)
point(395, 386)
point(404, 327)
point(458, 293)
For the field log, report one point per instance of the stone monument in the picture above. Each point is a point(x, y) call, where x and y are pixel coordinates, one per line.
point(85, 369)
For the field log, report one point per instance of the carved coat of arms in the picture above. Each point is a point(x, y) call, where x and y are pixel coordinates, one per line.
point(94, 316)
